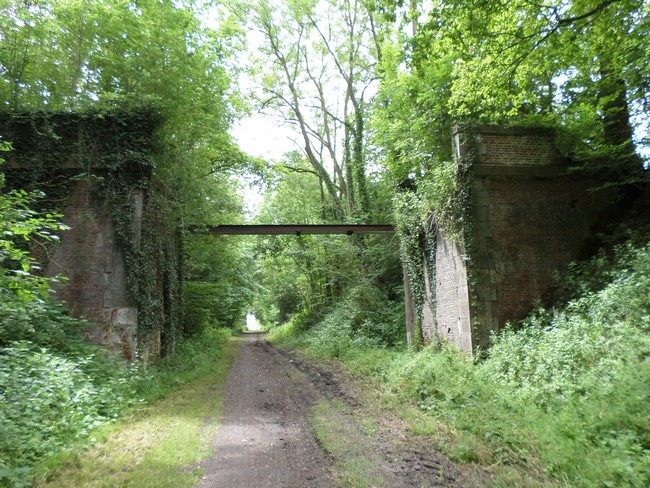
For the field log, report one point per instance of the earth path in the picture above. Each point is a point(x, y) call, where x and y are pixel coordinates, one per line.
point(265, 438)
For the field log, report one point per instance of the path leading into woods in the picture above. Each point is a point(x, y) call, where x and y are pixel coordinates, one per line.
point(266, 439)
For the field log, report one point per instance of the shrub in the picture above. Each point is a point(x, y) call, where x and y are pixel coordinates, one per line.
point(46, 401)
point(566, 355)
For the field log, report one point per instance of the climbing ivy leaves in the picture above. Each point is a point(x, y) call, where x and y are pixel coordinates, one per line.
point(156, 75)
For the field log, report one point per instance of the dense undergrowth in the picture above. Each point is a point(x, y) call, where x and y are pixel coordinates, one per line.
point(55, 389)
point(53, 399)
point(563, 395)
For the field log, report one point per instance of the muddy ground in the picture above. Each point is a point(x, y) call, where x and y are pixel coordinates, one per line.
point(266, 435)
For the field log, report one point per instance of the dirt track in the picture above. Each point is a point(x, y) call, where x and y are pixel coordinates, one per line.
point(265, 438)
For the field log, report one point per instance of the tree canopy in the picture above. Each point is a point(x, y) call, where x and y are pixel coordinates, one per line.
point(578, 66)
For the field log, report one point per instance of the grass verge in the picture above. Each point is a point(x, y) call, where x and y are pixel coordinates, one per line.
point(159, 446)
point(355, 465)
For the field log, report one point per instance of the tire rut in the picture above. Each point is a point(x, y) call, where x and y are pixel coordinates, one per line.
point(264, 438)
point(405, 460)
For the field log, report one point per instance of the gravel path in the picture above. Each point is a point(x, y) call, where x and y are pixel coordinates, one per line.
point(264, 438)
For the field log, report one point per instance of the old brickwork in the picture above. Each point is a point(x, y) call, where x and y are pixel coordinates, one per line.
point(527, 218)
point(92, 259)
point(96, 172)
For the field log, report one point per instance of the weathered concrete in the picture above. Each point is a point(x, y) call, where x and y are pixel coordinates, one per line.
point(452, 295)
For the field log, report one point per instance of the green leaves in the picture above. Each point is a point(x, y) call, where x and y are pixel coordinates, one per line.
point(22, 291)
point(46, 401)
point(575, 65)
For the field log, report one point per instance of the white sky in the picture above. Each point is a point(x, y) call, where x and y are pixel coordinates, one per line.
point(259, 135)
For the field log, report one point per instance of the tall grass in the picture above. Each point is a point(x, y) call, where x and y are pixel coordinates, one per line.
point(565, 395)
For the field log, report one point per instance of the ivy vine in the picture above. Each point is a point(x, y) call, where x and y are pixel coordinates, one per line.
point(441, 201)
point(115, 152)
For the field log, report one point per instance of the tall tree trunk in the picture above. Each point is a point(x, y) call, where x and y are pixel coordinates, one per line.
point(360, 165)
point(618, 131)
point(349, 164)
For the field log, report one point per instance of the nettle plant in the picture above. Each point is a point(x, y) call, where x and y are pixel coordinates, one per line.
point(22, 290)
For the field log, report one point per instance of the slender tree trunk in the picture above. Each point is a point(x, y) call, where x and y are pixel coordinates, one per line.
point(360, 166)
point(294, 104)
point(349, 165)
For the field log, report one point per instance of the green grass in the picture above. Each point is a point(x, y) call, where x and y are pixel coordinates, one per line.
point(564, 399)
point(354, 465)
point(159, 445)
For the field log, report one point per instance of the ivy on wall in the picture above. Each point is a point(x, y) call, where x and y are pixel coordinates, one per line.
point(440, 202)
point(115, 152)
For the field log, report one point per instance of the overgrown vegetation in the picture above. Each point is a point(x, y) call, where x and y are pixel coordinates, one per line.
point(563, 395)
point(147, 111)
point(160, 444)
point(374, 90)
point(53, 398)
point(351, 283)
point(55, 389)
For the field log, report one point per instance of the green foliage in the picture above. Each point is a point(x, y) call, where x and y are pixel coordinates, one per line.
point(363, 318)
point(114, 153)
point(575, 382)
point(50, 400)
point(24, 311)
point(55, 389)
point(46, 401)
point(413, 233)
point(218, 285)
point(161, 55)
point(573, 65)
point(566, 356)
point(618, 250)
point(410, 120)
point(100, 119)
point(192, 357)
point(564, 395)
point(301, 276)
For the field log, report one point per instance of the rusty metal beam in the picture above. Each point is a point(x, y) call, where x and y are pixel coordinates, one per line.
point(293, 229)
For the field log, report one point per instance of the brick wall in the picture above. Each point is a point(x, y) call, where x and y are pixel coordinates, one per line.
point(92, 260)
point(528, 218)
point(50, 151)
point(517, 146)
